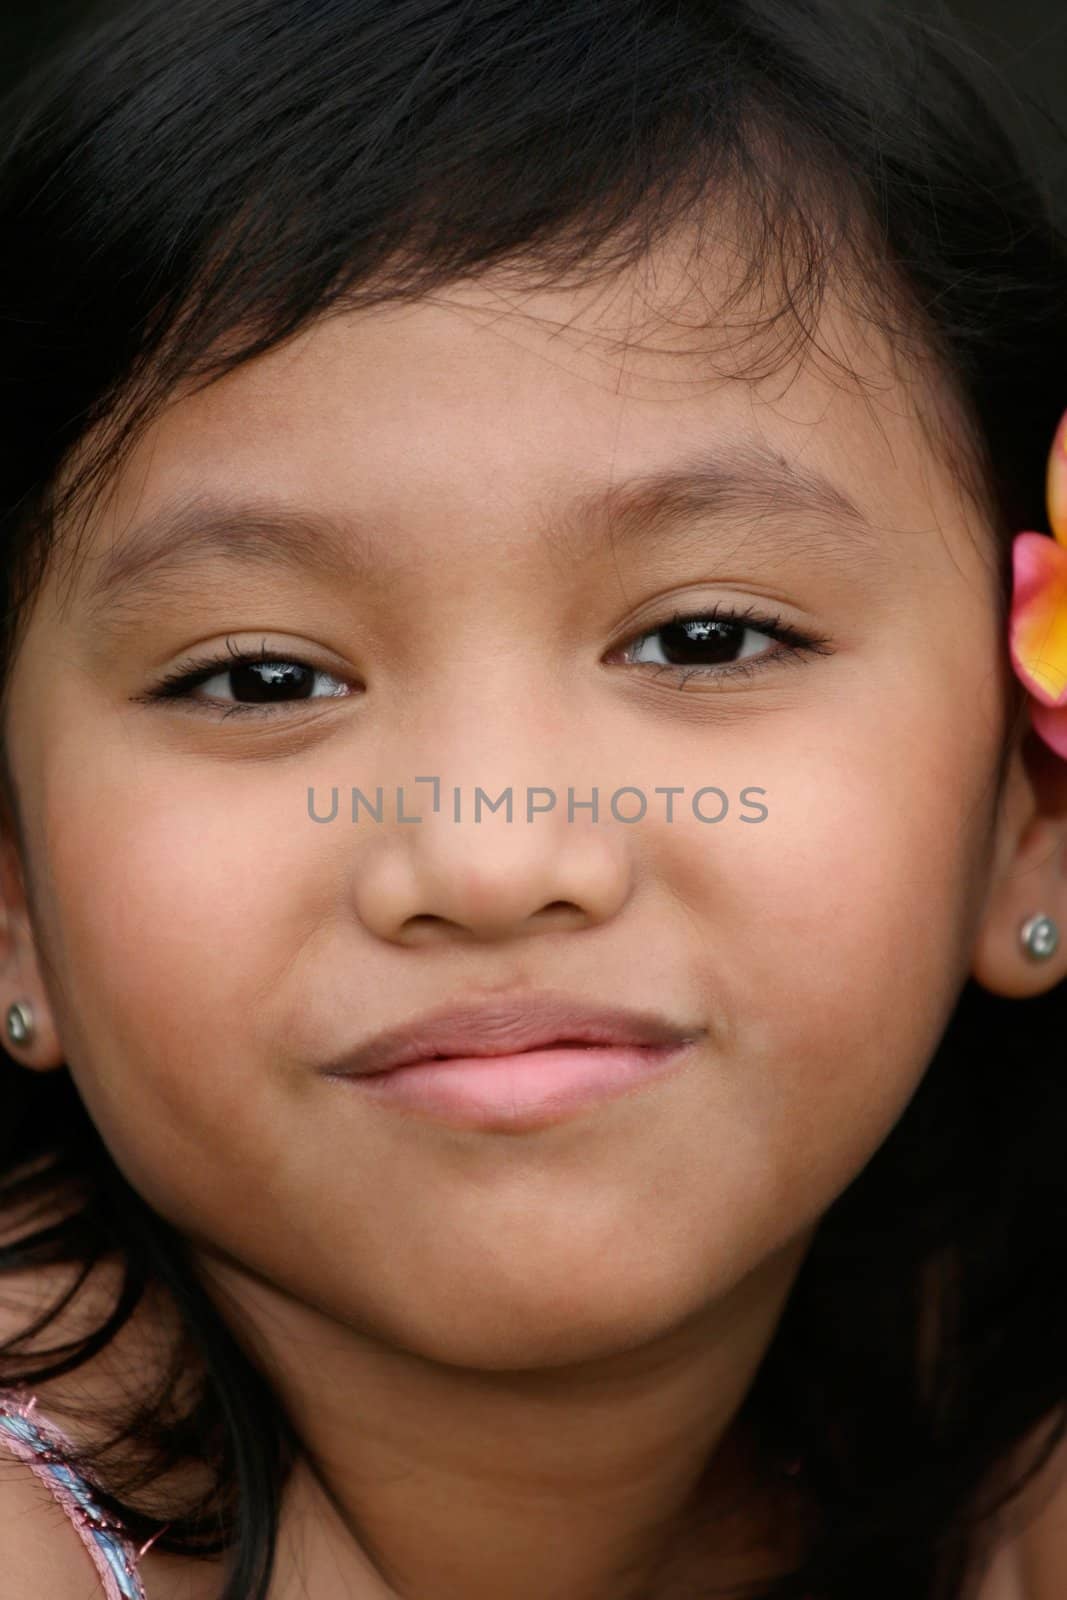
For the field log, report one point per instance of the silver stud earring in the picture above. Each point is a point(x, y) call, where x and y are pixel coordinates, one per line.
point(1040, 938)
point(20, 1022)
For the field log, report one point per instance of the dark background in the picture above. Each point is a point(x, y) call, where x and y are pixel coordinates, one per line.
point(1025, 40)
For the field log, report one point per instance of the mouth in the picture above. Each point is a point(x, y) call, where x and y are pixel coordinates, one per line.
point(522, 1090)
point(514, 1061)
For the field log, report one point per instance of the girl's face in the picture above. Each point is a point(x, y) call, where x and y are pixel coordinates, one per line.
point(479, 585)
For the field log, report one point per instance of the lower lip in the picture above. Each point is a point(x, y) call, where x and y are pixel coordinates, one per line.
point(532, 1089)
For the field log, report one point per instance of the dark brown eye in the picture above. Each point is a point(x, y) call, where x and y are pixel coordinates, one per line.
point(247, 681)
point(264, 682)
point(720, 643)
point(702, 641)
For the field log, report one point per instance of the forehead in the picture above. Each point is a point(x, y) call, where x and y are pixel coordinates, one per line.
point(510, 392)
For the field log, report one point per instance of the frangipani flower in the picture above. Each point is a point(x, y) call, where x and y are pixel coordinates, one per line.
point(1038, 635)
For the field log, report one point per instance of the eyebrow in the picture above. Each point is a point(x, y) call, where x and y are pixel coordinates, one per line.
point(749, 480)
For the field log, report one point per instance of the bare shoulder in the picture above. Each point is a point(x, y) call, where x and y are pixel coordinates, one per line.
point(1005, 1579)
point(40, 1550)
point(1041, 1536)
point(1030, 1560)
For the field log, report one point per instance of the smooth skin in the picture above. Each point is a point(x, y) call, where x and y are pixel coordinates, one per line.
point(510, 1354)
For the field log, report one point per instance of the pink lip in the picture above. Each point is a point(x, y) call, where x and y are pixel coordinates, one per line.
point(523, 1090)
point(507, 1025)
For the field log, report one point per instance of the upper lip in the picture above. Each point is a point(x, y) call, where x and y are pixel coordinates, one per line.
point(504, 1026)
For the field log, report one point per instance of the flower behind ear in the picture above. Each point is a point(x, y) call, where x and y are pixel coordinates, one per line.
point(1038, 635)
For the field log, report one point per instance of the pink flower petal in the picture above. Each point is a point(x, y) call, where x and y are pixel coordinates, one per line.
point(1057, 483)
point(1038, 631)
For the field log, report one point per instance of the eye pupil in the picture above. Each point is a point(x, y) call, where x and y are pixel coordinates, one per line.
point(260, 681)
point(688, 643)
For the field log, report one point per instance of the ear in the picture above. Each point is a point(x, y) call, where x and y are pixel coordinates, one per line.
point(1029, 874)
point(20, 971)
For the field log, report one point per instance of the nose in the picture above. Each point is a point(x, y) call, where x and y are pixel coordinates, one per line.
point(489, 881)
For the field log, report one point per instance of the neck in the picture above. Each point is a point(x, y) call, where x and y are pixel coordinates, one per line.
point(585, 1479)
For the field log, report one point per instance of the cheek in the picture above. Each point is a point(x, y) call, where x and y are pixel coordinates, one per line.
point(835, 945)
point(171, 927)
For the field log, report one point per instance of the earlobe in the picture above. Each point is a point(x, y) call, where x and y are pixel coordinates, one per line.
point(30, 1038)
point(29, 1034)
point(1021, 948)
point(1021, 958)
point(1035, 963)
point(31, 1042)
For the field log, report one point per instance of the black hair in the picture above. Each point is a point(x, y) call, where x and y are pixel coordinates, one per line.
point(186, 183)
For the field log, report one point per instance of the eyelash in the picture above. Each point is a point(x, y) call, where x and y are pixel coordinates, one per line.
point(796, 646)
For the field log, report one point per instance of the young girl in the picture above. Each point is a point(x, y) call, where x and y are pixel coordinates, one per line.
point(534, 858)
